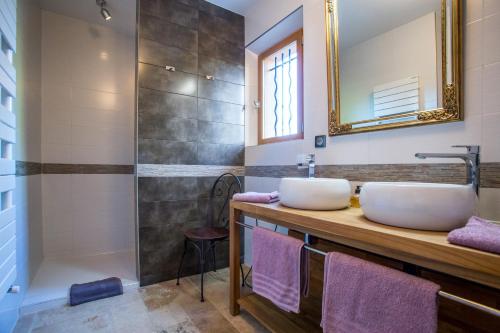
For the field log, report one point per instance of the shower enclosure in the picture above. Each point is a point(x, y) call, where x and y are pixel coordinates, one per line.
point(79, 127)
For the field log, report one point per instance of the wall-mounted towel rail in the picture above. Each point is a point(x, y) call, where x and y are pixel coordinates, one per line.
point(444, 294)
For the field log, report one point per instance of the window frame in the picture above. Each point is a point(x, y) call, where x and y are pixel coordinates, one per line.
point(297, 36)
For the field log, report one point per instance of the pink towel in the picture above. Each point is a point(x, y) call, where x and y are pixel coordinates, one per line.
point(257, 197)
point(478, 233)
point(280, 268)
point(363, 297)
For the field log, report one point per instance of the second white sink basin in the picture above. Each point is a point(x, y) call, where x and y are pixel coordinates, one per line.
point(315, 193)
point(423, 206)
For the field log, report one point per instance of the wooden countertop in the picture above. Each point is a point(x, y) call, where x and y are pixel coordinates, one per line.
point(428, 249)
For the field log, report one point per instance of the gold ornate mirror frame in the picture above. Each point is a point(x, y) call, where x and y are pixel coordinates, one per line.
point(452, 109)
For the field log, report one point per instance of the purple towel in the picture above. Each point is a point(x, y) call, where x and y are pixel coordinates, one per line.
point(257, 197)
point(280, 268)
point(478, 233)
point(363, 297)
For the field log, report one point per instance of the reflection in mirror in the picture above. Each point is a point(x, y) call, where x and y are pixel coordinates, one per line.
point(388, 57)
point(388, 66)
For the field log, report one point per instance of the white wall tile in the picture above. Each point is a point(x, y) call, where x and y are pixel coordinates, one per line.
point(103, 183)
point(489, 203)
point(56, 218)
point(29, 221)
point(344, 150)
point(108, 118)
point(491, 33)
point(88, 107)
point(56, 132)
point(55, 95)
point(96, 99)
point(491, 88)
point(491, 7)
point(56, 111)
point(473, 86)
point(110, 154)
point(94, 214)
point(56, 153)
point(491, 138)
point(473, 42)
point(88, 74)
point(473, 10)
point(58, 244)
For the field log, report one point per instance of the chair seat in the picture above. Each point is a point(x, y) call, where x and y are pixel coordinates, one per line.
point(207, 233)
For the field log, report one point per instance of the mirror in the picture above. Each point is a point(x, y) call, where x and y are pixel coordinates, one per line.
point(393, 63)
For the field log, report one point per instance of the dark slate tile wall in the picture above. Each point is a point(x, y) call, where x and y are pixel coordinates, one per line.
point(183, 109)
point(184, 118)
point(168, 207)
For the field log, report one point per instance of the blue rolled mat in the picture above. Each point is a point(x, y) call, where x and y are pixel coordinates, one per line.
point(92, 291)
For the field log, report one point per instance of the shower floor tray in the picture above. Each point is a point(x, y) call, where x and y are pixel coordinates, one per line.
point(50, 286)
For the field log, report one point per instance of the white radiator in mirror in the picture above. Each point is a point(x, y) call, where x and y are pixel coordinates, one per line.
point(396, 97)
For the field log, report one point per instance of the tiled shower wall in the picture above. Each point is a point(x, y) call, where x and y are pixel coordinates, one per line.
point(190, 128)
point(88, 83)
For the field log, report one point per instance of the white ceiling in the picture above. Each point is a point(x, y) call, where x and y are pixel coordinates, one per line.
point(122, 12)
point(237, 6)
point(281, 30)
point(360, 20)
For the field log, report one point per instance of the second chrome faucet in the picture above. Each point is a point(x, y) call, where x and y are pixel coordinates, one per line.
point(471, 159)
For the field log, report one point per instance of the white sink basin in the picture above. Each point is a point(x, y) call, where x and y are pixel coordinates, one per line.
point(315, 193)
point(423, 206)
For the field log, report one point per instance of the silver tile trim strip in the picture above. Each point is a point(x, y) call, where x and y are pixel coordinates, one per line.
point(183, 170)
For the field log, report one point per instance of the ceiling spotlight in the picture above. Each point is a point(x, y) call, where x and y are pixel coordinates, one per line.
point(106, 15)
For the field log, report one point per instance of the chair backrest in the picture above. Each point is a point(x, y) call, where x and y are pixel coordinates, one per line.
point(223, 189)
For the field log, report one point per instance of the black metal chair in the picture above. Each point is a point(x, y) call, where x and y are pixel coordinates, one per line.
point(205, 239)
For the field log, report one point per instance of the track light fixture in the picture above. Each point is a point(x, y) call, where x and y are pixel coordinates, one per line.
point(106, 15)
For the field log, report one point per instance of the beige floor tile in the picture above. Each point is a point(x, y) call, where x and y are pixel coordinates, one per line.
point(167, 316)
point(139, 323)
point(158, 295)
point(101, 323)
point(183, 327)
point(159, 308)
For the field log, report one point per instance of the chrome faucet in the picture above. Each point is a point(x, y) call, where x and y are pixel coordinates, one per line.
point(311, 164)
point(471, 159)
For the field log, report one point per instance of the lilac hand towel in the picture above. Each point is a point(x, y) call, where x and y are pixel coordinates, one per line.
point(280, 268)
point(257, 197)
point(363, 297)
point(478, 233)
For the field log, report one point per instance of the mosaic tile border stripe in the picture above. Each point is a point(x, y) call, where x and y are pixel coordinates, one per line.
point(24, 168)
point(490, 175)
point(434, 173)
point(182, 170)
point(55, 168)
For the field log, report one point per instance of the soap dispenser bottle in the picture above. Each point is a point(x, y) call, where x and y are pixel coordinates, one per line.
point(355, 197)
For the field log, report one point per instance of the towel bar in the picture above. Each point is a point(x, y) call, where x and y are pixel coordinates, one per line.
point(458, 299)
